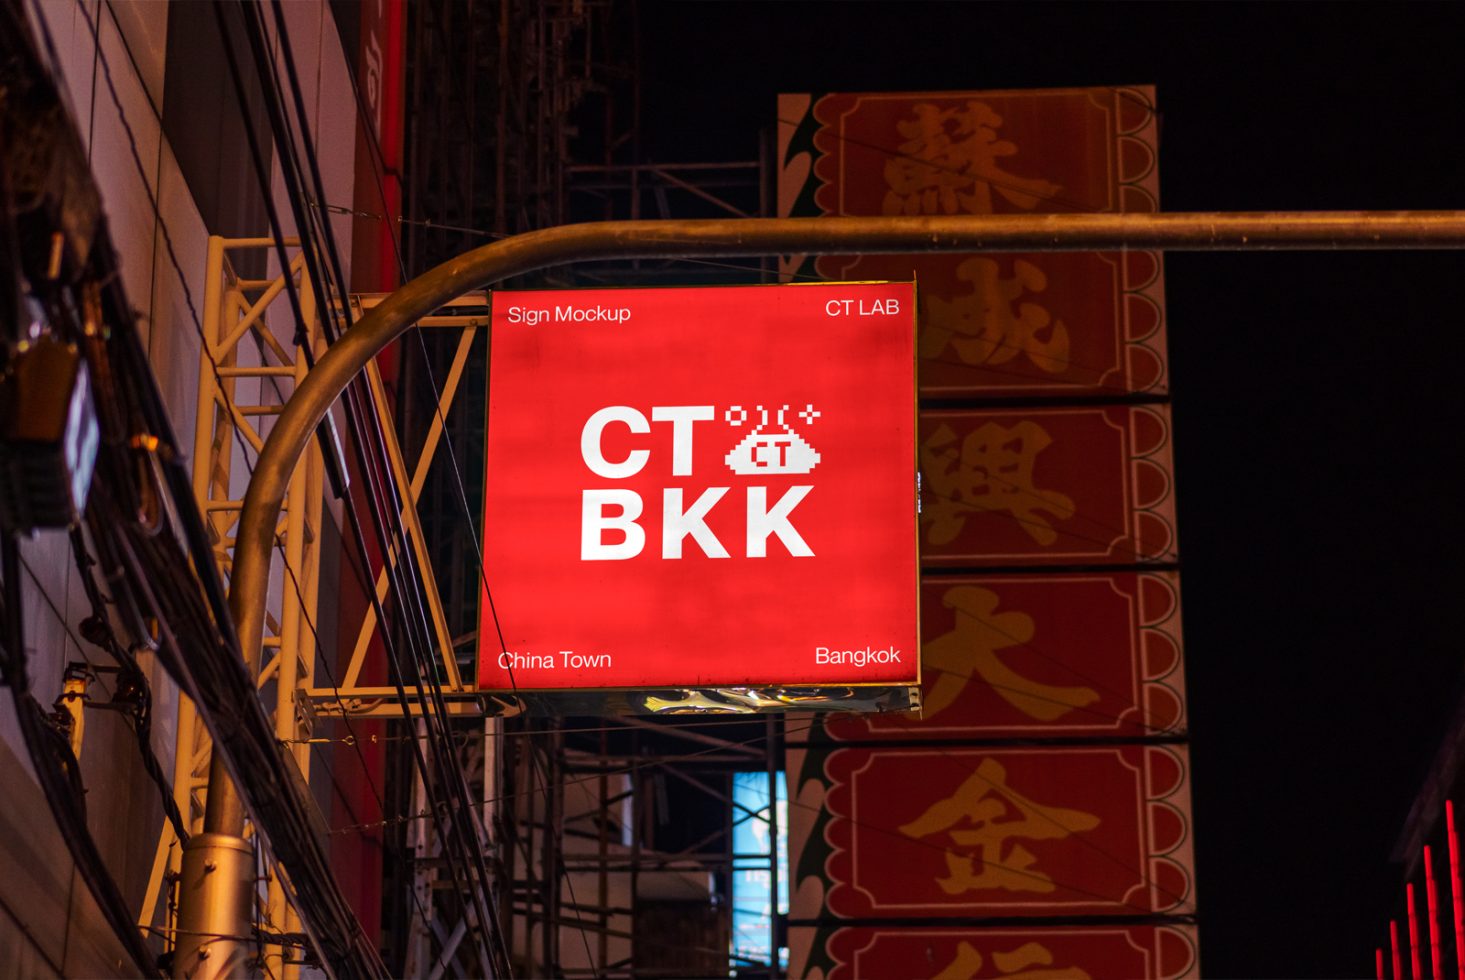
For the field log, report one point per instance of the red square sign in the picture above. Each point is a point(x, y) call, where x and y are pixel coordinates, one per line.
point(701, 488)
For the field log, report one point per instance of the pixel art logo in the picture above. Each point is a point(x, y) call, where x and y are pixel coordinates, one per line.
point(767, 451)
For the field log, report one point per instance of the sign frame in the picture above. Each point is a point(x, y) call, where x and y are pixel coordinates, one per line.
point(845, 689)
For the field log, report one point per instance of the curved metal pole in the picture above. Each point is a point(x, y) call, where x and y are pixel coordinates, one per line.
point(513, 256)
point(757, 236)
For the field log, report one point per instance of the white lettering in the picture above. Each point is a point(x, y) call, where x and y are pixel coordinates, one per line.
point(857, 658)
point(518, 314)
point(763, 522)
point(584, 661)
point(681, 418)
point(590, 442)
point(594, 523)
point(509, 660)
point(889, 307)
point(676, 524)
point(595, 314)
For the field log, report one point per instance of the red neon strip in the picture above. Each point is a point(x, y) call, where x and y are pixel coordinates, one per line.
point(1455, 889)
point(1416, 971)
point(1394, 945)
point(1378, 963)
point(1431, 895)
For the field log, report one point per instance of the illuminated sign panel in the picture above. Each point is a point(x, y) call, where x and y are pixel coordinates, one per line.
point(701, 488)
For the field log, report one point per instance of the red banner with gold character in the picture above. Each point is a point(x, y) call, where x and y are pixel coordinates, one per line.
point(1021, 324)
point(1042, 655)
point(1069, 952)
point(1043, 791)
point(915, 832)
point(1052, 486)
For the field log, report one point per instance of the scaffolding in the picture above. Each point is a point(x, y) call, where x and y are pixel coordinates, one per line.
point(624, 865)
point(247, 373)
point(524, 115)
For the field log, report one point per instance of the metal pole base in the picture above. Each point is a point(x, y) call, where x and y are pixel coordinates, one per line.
point(215, 891)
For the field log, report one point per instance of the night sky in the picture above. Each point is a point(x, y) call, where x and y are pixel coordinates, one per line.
point(1317, 401)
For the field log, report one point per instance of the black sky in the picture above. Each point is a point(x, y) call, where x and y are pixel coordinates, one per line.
point(1317, 397)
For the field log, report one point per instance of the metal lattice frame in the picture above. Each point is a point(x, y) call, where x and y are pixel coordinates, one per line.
point(245, 376)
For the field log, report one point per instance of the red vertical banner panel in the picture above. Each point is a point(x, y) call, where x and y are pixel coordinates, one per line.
point(1457, 901)
point(1049, 323)
point(915, 832)
point(1433, 900)
point(999, 152)
point(1076, 485)
point(1137, 952)
point(1416, 971)
point(1050, 655)
point(377, 191)
point(895, 824)
point(1022, 324)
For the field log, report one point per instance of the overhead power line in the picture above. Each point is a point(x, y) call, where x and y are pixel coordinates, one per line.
point(193, 608)
point(324, 270)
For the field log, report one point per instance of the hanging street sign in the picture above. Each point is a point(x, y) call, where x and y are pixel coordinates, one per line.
point(701, 488)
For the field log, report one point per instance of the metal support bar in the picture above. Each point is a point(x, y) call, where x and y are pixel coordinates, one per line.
point(214, 932)
point(413, 527)
point(687, 733)
point(382, 702)
point(413, 492)
point(761, 236)
point(450, 949)
point(699, 192)
point(230, 395)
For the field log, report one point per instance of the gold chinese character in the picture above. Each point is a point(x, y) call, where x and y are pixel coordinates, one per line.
point(992, 472)
point(1013, 964)
point(972, 646)
point(949, 162)
point(990, 325)
point(981, 820)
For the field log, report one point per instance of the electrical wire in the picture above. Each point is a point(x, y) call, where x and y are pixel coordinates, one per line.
point(98, 630)
point(1117, 391)
point(854, 821)
point(485, 915)
point(894, 153)
point(57, 770)
point(462, 495)
point(238, 437)
point(215, 679)
point(60, 618)
point(544, 777)
point(115, 94)
point(351, 737)
point(442, 765)
point(331, 252)
point(375, 149)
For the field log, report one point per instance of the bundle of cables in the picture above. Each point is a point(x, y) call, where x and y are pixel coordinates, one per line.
point(60, 293)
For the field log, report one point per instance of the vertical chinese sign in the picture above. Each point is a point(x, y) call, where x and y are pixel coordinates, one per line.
point(1035, 818)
